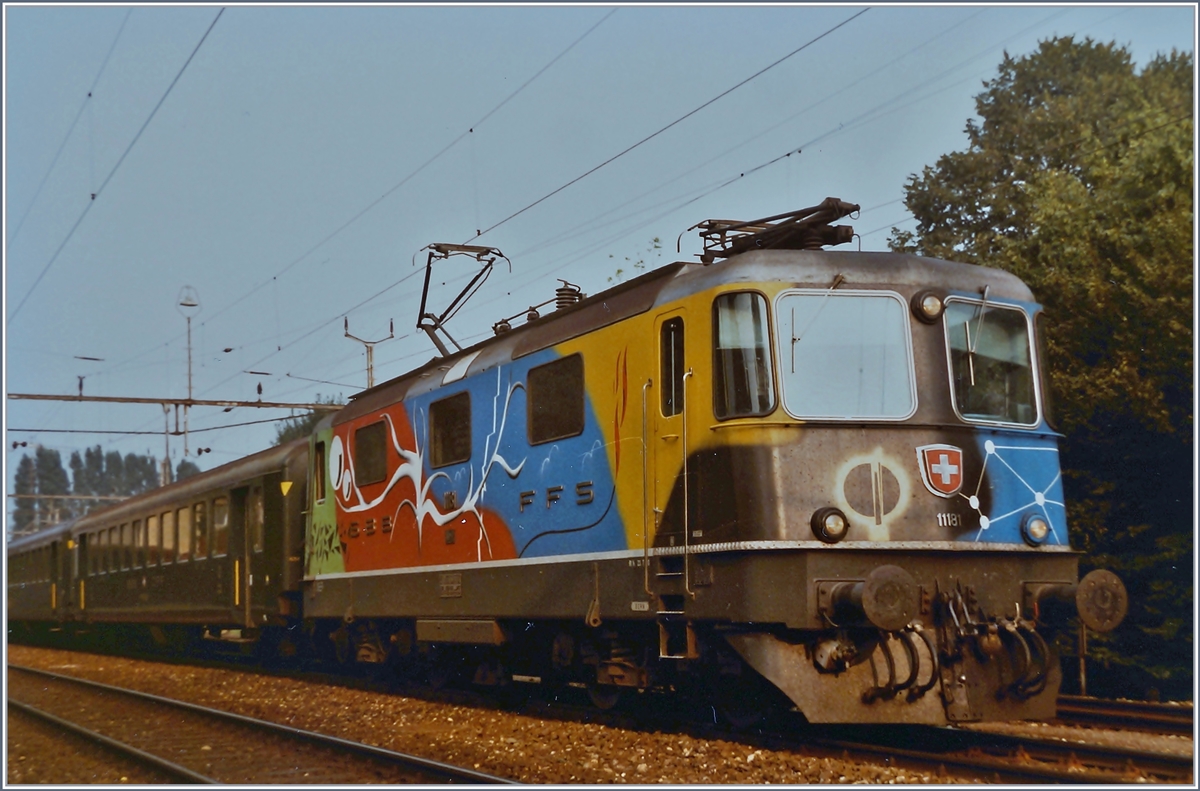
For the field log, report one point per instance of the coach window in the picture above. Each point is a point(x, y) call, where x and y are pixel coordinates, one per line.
point(115, 550)
point(139, 544)
point(200, 521)
point(95, 553)
point(153, 540)
point(991, 368)
point(845, 355)
point(370, 454)
point(450, 430)
point(319, 473)
point(168, 537)
point(254, 513)
point(741, 357)
point(220, 516)
point(555, 400)
point(183, 520)
point(670, 359)
point(123, 546)
point(102, 550)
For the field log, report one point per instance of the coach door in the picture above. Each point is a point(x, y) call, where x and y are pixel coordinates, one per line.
point(55, 585)
point(666, 445)
point(239, 554)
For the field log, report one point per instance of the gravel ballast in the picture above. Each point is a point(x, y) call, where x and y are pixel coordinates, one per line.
point(520, 746)
point(513, 745)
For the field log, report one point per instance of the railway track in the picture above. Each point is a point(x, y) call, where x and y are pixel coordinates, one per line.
point(1139, 715)
point(1009, 759)
point(950, 752)
point(196, 744)
point(947, 752)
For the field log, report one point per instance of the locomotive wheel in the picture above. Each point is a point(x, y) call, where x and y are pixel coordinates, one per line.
point(442, 667)
point(743, 699)
point(741, 711)
point(604, 696)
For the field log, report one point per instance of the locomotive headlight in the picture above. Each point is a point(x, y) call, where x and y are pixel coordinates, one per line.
point(829, 525)
point(927, 306)
point(1034, 530)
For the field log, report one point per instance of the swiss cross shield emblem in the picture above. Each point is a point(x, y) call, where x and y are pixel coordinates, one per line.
point(941, 468)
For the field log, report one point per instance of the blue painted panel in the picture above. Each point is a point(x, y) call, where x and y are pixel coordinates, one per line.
point(504, 468)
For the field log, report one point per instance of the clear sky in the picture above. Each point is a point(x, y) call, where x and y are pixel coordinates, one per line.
point(294, 168)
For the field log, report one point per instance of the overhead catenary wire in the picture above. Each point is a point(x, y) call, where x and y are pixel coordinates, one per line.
point(376, 202)
point(361, 213)
point(152, 433)
point(611, 159)
point(87, 101)
point(677, 121)
point(335, 319)
point(518, 91)
point(111, 173)
point(868, 116)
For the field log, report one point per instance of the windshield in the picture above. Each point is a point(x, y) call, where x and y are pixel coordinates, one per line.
point(991, 362)
point(845, 355)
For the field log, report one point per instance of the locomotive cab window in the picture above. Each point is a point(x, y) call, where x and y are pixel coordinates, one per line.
point(845, 355)
point(555, 402)
point(741, 357)
point(370, 454)
point(450, 430)
point(991, 368)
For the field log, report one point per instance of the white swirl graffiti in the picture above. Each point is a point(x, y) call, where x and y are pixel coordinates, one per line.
point(412, 469)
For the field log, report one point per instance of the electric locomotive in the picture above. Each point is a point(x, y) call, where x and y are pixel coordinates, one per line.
point(833, 471)
point(779, 475)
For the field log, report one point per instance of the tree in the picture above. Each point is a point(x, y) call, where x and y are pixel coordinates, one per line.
point(185, 469)
point(302, 425)
point(52, 480)
point(1078, 179)
point(25, 482)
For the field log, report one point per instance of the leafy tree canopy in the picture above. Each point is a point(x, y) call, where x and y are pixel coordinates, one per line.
point(92, 473)
point(1078, 178)
point(302, 425)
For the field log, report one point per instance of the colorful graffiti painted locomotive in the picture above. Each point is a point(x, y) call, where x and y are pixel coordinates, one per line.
point(781, 472)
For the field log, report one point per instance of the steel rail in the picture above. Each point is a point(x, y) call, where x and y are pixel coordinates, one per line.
point(1025, 767)
point(162, 764)
point(448, 772)
point(1145, 715)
